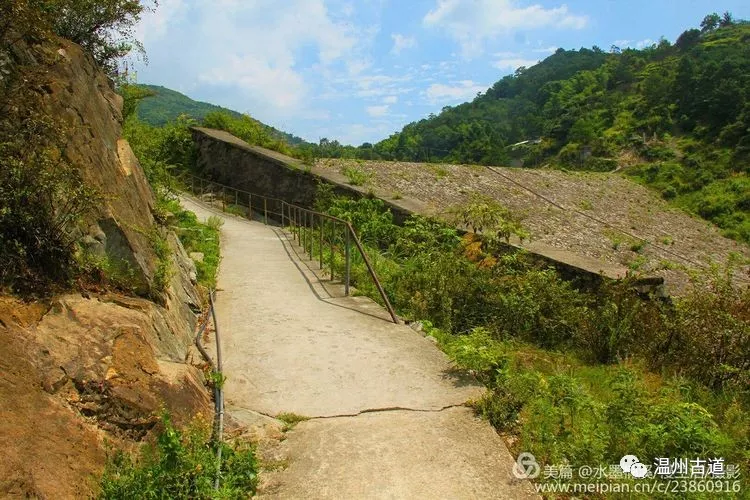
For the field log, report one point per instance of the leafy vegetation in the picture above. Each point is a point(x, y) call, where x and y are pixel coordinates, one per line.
point(181, 465)
point(356, 176)
point(197, 237)
point(576, 375)
point(42, 196)
point(105, 28)
point(486, 216)
point(249, 130)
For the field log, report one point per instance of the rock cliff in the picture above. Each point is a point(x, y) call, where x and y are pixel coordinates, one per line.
point(83, 372)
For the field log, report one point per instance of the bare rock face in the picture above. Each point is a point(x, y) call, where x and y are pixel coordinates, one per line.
point(79, 373)
point(84, 98)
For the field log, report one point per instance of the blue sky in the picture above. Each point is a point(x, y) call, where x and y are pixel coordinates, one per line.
point(358, 71)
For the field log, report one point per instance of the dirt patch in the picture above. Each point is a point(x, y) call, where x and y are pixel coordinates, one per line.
point(14, 311)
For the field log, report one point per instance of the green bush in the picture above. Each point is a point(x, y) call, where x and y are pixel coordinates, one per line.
point(709, 334)
point(484, 215)
point(181, 465)
point(599, 164)
point(198, 237)
point(356, 176)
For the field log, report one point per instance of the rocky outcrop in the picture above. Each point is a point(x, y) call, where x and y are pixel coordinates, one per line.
point(84, 372)
point(81, 374)
point(85, 99)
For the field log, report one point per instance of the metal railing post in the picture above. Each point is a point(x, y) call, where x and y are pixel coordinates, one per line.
point(304, 232)
point(374, 277)
point(333, 256)
point(347, 265)
point(265, 210)
point(320, 247)
point(223, 199)
point(310, 239)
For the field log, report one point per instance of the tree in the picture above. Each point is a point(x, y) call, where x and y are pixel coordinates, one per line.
point(726, 20)
point(710, 22)
point(105, 28)
point(688, 39)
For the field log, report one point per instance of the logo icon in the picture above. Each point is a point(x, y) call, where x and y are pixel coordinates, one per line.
point(639, 470)
point(526, 467)
point(627, 462)
point(631, 465)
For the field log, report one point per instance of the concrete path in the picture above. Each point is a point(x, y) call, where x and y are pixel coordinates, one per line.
point(384, 407)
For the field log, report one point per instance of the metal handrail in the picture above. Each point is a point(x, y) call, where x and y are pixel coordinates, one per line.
point(302, 222)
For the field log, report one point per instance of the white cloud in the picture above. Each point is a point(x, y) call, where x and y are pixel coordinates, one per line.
point(548, 50)
point(377, 110)
point(254, 47)
point(154, 23)
point(391, 99)
point(279, 85)
point(459, 91)
point(401, 42)
point(357, 133)
point(513, 63)
point(471, 22)
point(642, 44)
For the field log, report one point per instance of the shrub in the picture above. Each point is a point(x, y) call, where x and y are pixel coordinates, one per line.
point(198, 237)
point(356, 176)
point(709, 338)
point(181, 465)
point(599, 164)
point(478, 353)
point(164, 268)
point(486, 216)
point(42, 196)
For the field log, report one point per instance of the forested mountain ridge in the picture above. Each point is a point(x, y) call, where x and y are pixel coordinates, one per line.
point(675, 116)
point(165, 105)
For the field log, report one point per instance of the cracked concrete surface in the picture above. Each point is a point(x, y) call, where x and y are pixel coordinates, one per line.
point(385, 407)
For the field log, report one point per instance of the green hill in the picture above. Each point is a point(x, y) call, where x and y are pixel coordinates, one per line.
point(673, 116)
point(166, 105)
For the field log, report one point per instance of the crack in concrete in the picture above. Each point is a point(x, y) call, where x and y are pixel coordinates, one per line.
point(362, 412)
point(388, 409)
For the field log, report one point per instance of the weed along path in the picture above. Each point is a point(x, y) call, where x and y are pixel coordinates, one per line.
point(384, 413)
